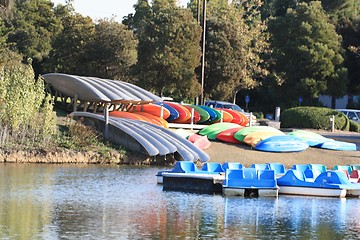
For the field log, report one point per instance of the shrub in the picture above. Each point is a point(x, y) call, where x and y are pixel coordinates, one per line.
point(354, 126)
point(27, 118)
point(313, 118)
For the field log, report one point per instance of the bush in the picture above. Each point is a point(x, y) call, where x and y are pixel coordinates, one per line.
point(313, 118)
point(27, 118)
point(354, 126)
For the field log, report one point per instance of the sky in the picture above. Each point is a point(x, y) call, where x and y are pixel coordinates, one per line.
point(97, 9)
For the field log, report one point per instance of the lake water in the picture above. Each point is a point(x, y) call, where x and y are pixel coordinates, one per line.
point(124, 202)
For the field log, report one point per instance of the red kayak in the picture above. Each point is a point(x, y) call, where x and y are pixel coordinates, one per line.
point(201, 142)
point(228, 135)
point(196, 116)
point(184, 114)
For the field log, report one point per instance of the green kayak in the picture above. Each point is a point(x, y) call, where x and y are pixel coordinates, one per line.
point(242, 133)
point(214, 129)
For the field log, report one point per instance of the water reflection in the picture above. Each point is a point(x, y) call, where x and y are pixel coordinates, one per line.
point(122, 202)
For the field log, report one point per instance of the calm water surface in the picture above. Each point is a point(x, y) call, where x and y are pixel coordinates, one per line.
point(123, 202)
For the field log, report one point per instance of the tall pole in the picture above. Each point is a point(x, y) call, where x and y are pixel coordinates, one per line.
point(202, 102)
point(198, 11)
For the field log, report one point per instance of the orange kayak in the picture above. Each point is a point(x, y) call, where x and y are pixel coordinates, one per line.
point(154, 119)
point(126, 115)
point(153, 109)
point(226, 116)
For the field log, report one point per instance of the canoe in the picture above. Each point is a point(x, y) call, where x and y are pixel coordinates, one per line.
point(204, 115)
point(174, 114)
point(255, 137)
point(195, 118)
point(214, 129)
point(183, 133)
point(152, 109)
point(228, 135)
point(120, 134)
point(171, 136)
point(241, 134)
point(226, 116)
point(183, 152)
point(184, 114)
point(70, 86)
point(313, 139)
point(94, 89)
point(154, 119)
point(339, 146)
point(214, 114)
point(284, 143)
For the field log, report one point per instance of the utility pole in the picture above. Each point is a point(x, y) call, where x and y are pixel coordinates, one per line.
point(202, 101)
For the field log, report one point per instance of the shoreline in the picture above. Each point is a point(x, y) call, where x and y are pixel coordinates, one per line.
point(218, 151)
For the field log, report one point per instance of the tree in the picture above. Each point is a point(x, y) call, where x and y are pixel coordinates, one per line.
point(168, 50)
point(112, 51)
point(34, 24)
point(234, 45)
point(70, 46)
point(308, 52)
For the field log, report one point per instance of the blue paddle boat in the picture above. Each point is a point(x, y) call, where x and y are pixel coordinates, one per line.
point(249, 182)
point(314, 182)
point(185, 176)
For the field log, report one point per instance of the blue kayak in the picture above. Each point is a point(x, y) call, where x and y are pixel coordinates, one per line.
point(174, 114)
point(282, 143)
point(339, 146)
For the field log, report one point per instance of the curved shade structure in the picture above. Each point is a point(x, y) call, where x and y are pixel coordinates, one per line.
point(94, 89)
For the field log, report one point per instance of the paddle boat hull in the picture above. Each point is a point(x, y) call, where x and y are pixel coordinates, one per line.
point(193, 182)
point(325, 184)
point(308, 191)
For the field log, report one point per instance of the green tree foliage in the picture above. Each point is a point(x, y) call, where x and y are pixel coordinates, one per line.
point(308, 52)
point(34, 24)
point(352, 41)
point(112, 52)
point(25, 110)
point(168, 50)
point(104, 49)
point(70, 46)
point(235, 42)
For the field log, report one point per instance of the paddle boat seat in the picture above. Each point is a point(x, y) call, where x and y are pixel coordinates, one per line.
point(343, 167)
point(263, 166)
point(355, 176)
point(300, 167)
point(185, 167)
point(250, 178)
point(355, 167)
point(345, 172)
point(320, 167)
point(212, 167)
point(311, 174)
point(332, 177)
point(279, 168)
point(232, 165)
